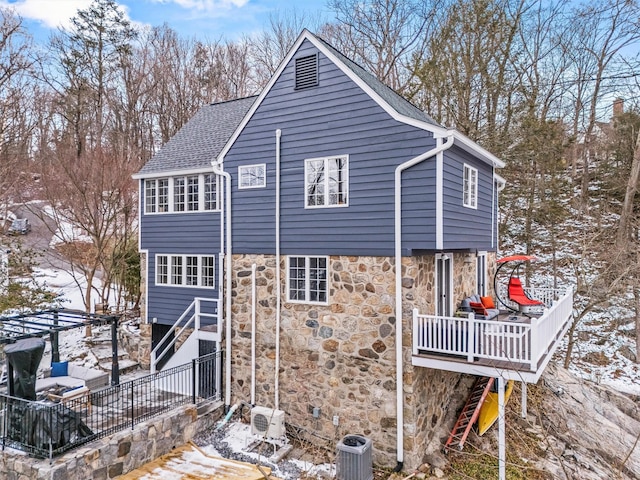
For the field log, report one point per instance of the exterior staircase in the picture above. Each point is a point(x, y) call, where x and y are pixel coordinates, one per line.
point(187, 333)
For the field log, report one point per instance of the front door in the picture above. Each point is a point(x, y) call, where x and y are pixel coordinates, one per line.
point(444, 284)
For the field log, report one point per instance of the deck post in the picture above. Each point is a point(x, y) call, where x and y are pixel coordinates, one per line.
point(523, 400)
point(534, 346)
point(471, 328)
point(417, 333)
point(502, 450)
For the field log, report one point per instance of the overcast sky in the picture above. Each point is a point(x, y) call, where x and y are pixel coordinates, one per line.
point(211, 19)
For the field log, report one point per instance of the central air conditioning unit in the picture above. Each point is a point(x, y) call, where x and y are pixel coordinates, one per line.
point(267, 422)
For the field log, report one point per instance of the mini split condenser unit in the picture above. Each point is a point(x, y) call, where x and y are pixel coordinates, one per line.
point(267, 422)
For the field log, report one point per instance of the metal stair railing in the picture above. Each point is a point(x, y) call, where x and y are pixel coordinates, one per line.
point(194, 319)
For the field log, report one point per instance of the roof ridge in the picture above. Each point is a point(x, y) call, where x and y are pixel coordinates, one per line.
point(350, 63)
point(222, 102)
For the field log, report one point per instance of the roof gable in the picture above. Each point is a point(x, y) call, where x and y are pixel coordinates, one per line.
point(395, 105)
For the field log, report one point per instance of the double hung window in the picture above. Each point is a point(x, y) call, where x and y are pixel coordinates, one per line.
point(178, 194)
point(192, 193)
point(470, 187)
point(326, 181)
point(185, 270)
point(307, 279)
point(163, 195)
point(210, 192)
point(150, 196)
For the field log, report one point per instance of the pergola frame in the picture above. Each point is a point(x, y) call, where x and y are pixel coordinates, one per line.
point(51, 323)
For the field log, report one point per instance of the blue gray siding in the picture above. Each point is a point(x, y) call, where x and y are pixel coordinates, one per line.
point(466, 227)
point(335, 118)
point(177, 233)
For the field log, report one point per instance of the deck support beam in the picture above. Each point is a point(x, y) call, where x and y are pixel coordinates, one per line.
point(523, 400)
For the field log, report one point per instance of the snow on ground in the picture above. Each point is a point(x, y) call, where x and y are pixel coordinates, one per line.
point(64, 284)
point(234, 440)
point(66, 231)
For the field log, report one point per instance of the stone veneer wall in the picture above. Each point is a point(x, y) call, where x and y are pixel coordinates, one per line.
point(137, 344)
point(116, 455)
point(340, 357)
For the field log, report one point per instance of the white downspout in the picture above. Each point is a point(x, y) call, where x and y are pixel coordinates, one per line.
point(217, 169)
point(278, 286)
point(398, 261)
point(253, 334)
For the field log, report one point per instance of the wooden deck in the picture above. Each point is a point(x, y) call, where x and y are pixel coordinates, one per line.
point(516, 346)
point(190, 462)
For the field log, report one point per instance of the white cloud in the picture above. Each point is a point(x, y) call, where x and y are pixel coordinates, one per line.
point(208, 6)
point(51, 13)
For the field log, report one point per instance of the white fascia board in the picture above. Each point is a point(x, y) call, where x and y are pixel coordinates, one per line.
point(436, 363)
point(499, 180)
point(469, 145)
point(171, 173)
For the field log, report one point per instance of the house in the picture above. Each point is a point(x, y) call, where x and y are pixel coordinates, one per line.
point(271, 228)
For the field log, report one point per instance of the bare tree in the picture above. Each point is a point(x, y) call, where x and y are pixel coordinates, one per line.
point(91, 196)
point(16, 82)
point(385, 35)
point(467, 77)
point(601, 30)
point(269, 47)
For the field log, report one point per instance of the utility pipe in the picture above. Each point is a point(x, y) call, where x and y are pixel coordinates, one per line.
point(441, 147)
point(253, 334)
point(227, 417)
point(226, 206)
point(278, 286)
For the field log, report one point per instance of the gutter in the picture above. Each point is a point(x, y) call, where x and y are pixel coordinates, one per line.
point(441, 147)
point(217, 170)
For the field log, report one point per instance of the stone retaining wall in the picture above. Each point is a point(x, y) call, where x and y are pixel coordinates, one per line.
point(340, 357)
point(110, 457)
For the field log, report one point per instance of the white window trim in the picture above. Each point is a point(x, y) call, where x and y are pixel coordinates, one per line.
point(483, 256)
point(148, 185)
point(156, 282)
point(307, 283)
point(446, 256)
point(326, 182)
point(241, 168)
point(170, 283)
point(171, 195)
point(469, 189)
point(203, 184)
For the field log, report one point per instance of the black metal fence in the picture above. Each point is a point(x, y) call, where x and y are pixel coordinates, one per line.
point(58, 423)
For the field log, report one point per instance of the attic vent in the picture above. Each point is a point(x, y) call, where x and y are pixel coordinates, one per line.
point(306, 72)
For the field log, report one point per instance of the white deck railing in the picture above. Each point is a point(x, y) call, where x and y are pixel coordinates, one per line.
point(522, 341)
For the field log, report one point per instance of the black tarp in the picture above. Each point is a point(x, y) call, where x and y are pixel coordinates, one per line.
point(44, 426)
point(24, 358)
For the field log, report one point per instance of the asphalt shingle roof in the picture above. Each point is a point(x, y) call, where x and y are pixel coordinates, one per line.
point(201, 139)
point(396, 101)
